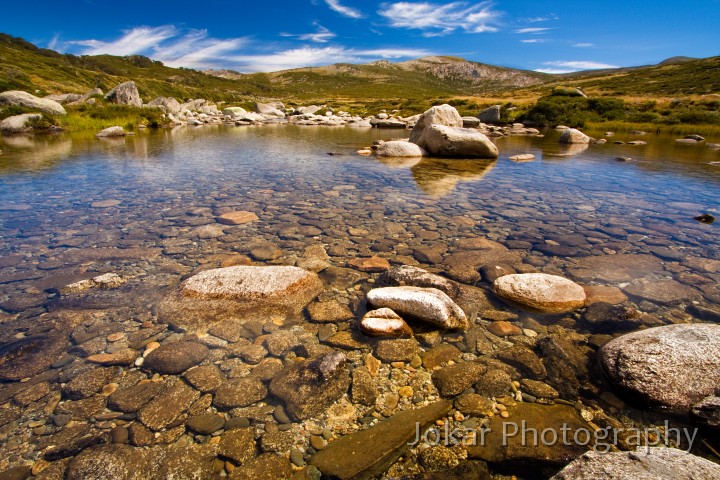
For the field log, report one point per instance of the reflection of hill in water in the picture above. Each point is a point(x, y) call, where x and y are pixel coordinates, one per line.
point(438, 177)
point(23, 152)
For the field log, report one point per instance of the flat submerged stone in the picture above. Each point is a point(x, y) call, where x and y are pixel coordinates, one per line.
point(369, 453)
point(282, 283)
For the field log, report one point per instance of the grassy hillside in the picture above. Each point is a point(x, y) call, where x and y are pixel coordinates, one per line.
point(670, 93)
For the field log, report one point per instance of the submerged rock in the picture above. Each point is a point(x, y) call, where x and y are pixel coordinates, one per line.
point(674, 366)
point(369, 453)
point(283, 286)
point(429, 305)
point(658, 463)
point(30, 356)
point(510, 441)
point(176, 357)
point(541, 292)
point(308, 388)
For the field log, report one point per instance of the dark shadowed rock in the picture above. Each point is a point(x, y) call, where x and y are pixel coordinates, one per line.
point(176, 357)
point(367, 454)
point(30, 356)
point(567, 364)
point(309, 387)
point(125, 94)
point(644, 463)
point(490, 115)
point(506, 445)
point(674, 366)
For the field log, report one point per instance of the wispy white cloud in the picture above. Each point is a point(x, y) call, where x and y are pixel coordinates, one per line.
point(134, 41)
point(533, 30)
point(583, 45)
point(441, 19)
point(573, 66)
point(533, 40)
point(323, 35)
point(313, 56)
point(196, 49)
point(190, 49)
point(544, 18)
point(343, 10)
point(54, 41)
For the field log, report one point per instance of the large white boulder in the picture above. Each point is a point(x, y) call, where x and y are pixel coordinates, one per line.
point(438, 115)
point(673, 367)
point(24, 99)
point(444, 141)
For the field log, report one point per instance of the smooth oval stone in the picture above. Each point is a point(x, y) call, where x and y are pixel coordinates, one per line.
point(541, 292)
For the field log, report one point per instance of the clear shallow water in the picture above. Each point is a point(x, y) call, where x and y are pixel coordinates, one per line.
point(161, 192)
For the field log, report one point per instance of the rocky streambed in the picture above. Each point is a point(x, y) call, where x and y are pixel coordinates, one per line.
point(192, 315)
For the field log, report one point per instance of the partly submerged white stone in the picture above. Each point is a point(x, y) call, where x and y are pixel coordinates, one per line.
point(400, 148)
point(384, 322)
point(427, 304)
point(540, 291)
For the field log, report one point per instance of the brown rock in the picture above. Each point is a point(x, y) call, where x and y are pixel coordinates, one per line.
point(329, 312)
point(239, 217)
point(370, 265)
point(504, 329)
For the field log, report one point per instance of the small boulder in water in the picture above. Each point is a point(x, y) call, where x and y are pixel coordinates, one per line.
point(384, 322)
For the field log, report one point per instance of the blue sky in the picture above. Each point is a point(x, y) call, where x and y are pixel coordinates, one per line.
point(251, 36)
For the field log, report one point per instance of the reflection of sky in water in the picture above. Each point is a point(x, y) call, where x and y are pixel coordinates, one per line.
point(153, 171)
